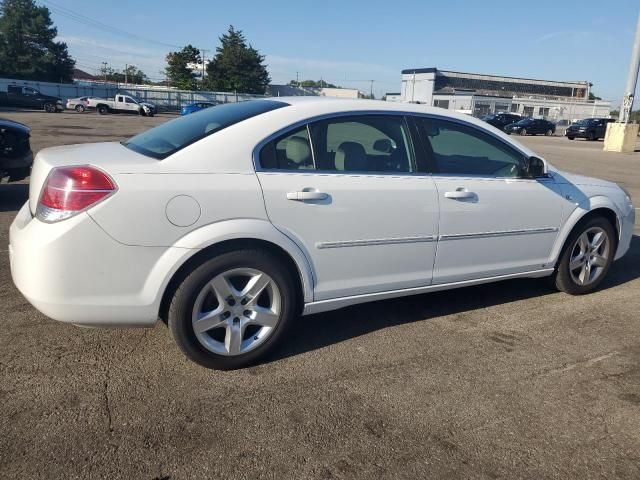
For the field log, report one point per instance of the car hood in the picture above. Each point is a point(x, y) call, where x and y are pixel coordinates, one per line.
point(10, 124)
point(580, 180)
point(147, 104)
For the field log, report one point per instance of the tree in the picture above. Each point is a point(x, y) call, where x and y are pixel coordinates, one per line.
point(593, 97)
point(177, 70)
point(131, 74)
point(28, 50)
point(237, 66)
point(313, 84)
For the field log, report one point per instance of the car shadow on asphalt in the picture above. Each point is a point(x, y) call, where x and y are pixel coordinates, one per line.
point(321, 330)
point(13, 196)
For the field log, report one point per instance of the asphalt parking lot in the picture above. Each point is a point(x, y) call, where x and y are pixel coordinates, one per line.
point(510, 380)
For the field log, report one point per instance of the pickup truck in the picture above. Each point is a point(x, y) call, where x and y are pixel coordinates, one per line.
point(121, 104)
point(27, 97)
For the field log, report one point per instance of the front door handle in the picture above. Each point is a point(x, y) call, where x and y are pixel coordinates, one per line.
point(307, 195)
point(460, 194)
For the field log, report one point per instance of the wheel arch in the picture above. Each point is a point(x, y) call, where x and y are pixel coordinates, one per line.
point(211, 241)
point(597, 206)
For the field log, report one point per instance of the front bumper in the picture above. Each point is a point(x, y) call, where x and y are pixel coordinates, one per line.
point(575, 133)
point(627, 226)
point(72, 271)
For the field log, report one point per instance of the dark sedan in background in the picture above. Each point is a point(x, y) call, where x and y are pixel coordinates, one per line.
point(531, 126)
point(501, 120)
point(588, 128)
point(15, 150)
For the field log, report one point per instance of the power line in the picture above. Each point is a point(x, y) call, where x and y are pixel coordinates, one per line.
point(78, 17)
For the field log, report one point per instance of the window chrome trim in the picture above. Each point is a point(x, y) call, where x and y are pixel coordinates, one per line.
point(394, 113)
point(376, 241)
point(504, 233)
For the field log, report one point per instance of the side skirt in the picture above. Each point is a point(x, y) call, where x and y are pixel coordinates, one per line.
point(341, 302)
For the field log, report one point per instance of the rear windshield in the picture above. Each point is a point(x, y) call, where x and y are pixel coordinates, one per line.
point(168, 138)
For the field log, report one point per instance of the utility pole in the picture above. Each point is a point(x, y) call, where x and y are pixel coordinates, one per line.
point(632, 78)
point(297, 79)
point(621, 136)
point(126, 73)
point(104, 71)
point(204, 68)
point(371, 91)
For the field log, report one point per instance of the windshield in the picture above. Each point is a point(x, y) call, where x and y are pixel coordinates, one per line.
point(586, 121)
point(526, 121)
point(168, 138)
point(489, 117)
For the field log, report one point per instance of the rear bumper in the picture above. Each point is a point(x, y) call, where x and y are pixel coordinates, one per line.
point(72, 271)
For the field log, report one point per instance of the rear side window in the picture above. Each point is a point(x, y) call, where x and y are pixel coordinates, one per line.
point(289, 152)
point(168, 138)
point(363, 143)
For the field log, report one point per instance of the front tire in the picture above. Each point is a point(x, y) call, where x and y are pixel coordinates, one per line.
point(549, 132)
point(80, 108)
point(586, 257)
point(523, 132)
point(571, 138)
point(232, 309)
point(49, 107)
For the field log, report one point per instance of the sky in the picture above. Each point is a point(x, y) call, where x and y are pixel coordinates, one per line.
point(352, 43)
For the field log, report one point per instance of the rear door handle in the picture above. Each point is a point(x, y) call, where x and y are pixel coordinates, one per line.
point(460, 194)
point(307, 195)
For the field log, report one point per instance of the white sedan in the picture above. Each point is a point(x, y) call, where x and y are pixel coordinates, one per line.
point(231, 222)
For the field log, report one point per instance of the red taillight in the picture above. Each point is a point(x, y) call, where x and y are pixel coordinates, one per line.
point(69, 190)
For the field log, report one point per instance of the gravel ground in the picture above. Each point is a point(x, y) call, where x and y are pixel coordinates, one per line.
point(511, 380)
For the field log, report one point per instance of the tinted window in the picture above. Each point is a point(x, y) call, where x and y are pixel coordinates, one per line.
point(289, 152)
point(168, 138)
point(461, 150)
point(367, 143)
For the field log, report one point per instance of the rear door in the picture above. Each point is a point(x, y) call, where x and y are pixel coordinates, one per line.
point(492, 222)
point(348, 191)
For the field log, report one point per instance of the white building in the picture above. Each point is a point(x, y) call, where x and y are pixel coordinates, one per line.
point(479, 95)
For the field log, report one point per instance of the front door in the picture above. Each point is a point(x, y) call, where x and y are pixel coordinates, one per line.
point(354, 203)
point(492, 221)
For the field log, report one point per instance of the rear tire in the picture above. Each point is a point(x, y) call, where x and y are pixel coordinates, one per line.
point(571, 138)
point(592, 136)
point(232, 335)
point(582, 266)
point(103, 109)
point(549, 132)
point(523, 132)
point(49, 107)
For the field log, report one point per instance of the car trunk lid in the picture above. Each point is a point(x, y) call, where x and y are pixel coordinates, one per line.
point(112, 157)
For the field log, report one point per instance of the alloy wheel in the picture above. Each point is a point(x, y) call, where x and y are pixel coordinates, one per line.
point(589, 256)
point(236, 311)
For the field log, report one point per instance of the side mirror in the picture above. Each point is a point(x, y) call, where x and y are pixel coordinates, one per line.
point(384, 145)
point(534, 168)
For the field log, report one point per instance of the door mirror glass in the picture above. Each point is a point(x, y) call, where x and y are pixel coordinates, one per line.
point(384, 145)
point(535, 167)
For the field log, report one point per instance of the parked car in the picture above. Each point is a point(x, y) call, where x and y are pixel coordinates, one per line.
point(531, 126)
point(589, 128)
point(196, 107)
point(230, 223)
point(501, 120)
point(122, 104)
point(15, 150)
point(77, 104)
point(27, 97)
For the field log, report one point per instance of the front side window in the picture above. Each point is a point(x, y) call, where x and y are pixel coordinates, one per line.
point(458, 149)
point(129, 100)
point(364, 143)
